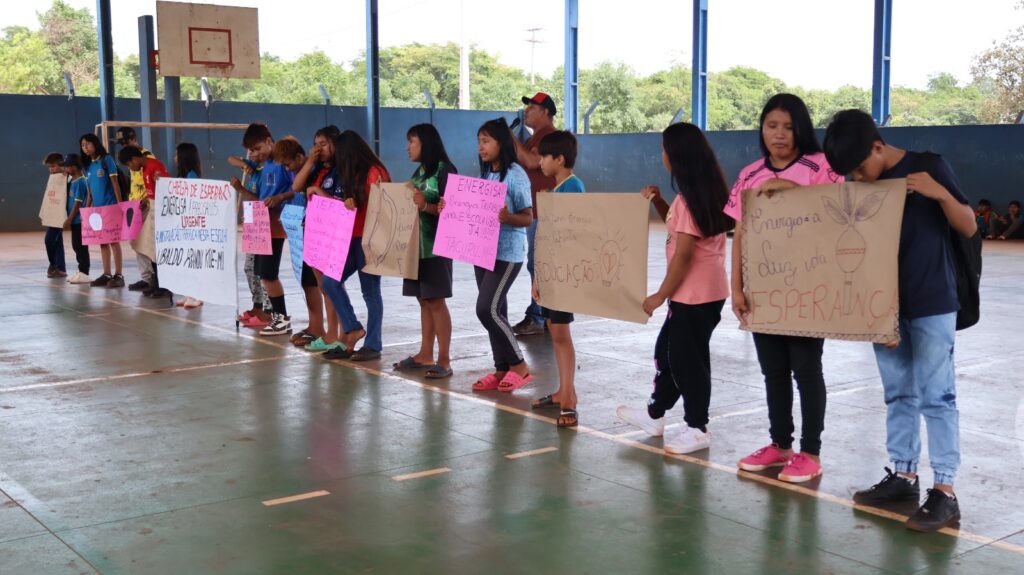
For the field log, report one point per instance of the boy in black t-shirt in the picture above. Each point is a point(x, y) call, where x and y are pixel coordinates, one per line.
point(917, 372)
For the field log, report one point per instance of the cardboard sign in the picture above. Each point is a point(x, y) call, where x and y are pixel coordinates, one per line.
point(821, 261)
point(291, 220)
point(391, 239)
point(256, 229)
point(328, 235)
point(196, 237)
point(591, 254)
point(54, 209)
point(145, 243)
point(468, 228)
point(111, 224)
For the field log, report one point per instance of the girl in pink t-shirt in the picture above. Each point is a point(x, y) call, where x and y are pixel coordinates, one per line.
point(695, 283)
point(791, 158)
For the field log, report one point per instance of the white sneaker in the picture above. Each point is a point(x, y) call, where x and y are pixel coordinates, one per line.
point(688, 440)
point(279, 325)
point(640, 418)
point(79, 278)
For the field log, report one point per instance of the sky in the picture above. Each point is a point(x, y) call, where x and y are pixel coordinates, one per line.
point(810, 43)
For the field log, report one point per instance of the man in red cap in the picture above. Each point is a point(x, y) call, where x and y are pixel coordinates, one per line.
point(539, 117)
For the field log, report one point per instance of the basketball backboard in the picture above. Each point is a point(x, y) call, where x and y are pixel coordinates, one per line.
point(207, 40)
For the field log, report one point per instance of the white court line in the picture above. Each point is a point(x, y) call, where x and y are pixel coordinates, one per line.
point(419, 474)
point(730, 469)
point(522, 454)
point(293, 498)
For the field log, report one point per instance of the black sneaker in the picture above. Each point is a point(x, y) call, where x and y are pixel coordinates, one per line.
point(141, 285)
point(158, 293)
point(116, 282)
point(892, 488)
point(101, 281)
point(279, 325)
point(939, 510)
point(528, 327)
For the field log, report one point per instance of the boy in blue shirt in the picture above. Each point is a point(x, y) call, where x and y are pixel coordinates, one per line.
point(78, 193)
point(275, 180)
point(917, 372)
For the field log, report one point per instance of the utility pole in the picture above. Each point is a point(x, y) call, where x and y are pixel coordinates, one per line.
point(533, 48)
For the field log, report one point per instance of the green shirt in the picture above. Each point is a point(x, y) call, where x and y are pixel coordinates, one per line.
point(433, 190)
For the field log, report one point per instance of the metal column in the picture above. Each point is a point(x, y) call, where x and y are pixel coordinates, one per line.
point(106, 49)
point(572, 70)
point(882, 58)
point(147, 80)
point(699, 91)
point(172, 113)
point(372, 76)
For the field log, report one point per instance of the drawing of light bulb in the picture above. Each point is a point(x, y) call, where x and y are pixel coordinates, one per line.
point(610, 262)
point(851, 247)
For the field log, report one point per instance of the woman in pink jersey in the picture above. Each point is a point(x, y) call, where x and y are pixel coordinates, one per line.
point(792, 157)
point(695, 285)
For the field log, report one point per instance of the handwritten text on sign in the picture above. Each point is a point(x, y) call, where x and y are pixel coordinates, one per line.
point(111, 224)
point(256, 228)
point(196, 238)
point(468, 229)
point(821, 261)
point(592, 254)
point(391, 239)
point(328, 235)
point(291, 220)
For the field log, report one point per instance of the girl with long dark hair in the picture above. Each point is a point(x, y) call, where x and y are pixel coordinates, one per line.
point(791, 157)
point(695, 284)
point(104, 190)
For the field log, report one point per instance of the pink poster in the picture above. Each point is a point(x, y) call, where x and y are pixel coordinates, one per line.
point(469, 227)
point(328, 234)
point(111, 224)
point(256, 228)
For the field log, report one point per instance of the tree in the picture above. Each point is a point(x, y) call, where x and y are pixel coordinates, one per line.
point(614, 85)
point(662, 94)
point(736, 96)
point(26, 65)
point(71, 37)
point(1003, 66)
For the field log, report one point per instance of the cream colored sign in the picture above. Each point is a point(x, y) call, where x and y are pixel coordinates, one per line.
point(591, 254)
point(391, 235)
point(54, 210)
point(821, 261)
point(145, 244)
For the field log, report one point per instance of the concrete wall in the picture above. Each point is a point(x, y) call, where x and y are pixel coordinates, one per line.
point(988, 159)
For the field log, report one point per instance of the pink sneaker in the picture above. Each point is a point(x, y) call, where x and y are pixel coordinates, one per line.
point(799, 469)
point(767, 456)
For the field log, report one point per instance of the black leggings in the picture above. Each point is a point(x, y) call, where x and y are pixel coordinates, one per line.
point(682, 358)
point(781, 355)
point(81, 251)
point(492, 311)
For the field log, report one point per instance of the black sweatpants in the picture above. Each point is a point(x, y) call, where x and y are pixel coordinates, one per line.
point(81, 251)
point(780, 356)
point(682, 359)
point(492, 311)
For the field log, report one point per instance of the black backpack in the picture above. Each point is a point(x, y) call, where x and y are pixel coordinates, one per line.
point(966, 266)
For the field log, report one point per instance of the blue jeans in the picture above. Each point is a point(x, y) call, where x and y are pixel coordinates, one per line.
point(919, 380)
point(369, 284)
point(532, 310)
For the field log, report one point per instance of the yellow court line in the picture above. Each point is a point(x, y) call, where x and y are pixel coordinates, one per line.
point(293, 498)
point(731, 469)
point(522, 454)
point(419, 474)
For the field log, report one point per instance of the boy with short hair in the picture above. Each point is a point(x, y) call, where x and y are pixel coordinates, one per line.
point(275, 180)
point(54, 238)
point(986, 218)
point(557, 157)
point(917, 372)
point(149, 170)
point(78, 193)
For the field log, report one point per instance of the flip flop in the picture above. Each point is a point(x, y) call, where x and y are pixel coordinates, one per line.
point(545, 402)
point(256, 322)
point(513, 381)
point(437, 372)
point(295, 338)
point(572, 418)
point(244, 316)
point(410, 363)
point(488, 382)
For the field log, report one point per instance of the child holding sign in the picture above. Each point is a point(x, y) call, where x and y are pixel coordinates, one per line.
point(695, 285)
point(497, 150)
point(434, 281)
point(791, 157)
point(188, 166)
point(149, 169)
point(104, 190)
point(78, 194)
point(557, 157)
point(54, 239)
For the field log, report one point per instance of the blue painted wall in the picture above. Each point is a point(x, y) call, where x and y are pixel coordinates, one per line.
point(988, 159)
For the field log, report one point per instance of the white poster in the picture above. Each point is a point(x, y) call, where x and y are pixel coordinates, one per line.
point(196, 238)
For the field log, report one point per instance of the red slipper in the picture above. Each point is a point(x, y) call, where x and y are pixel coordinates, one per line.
point(513, 381)
point(488, 382)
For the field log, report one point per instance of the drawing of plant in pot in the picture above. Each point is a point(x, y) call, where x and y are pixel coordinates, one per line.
point(851, 247)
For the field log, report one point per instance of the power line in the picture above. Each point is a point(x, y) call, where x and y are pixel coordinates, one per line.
point(533, 40)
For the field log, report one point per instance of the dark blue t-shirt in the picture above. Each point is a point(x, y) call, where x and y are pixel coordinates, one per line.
point(926, 276)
